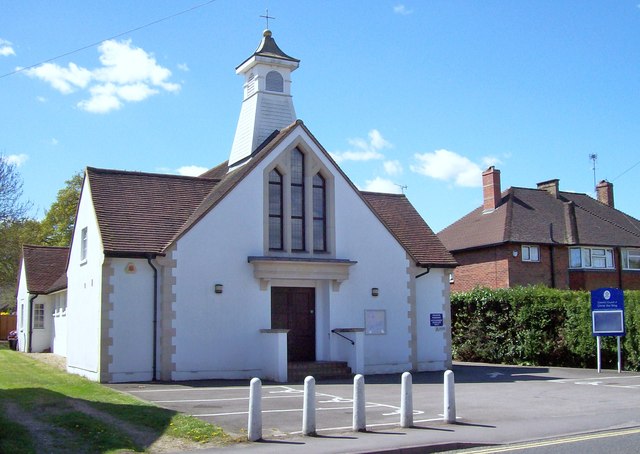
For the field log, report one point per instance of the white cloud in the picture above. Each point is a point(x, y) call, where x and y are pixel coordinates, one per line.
point(127, 74)
point(41, 99)
point(16, 159)
point(6, 48)
point(54, 141)
point(393, 167)
point(65, 80)
point(191, 171)
point(402, 10)
point(379, 184)
point(449, 166)
point(364, 149)
point(183, 67)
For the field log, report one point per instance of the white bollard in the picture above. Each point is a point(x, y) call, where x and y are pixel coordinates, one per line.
point(255, 410)
point(406, 401)
point(359, 412)
point(309, 407)
point(449, 398)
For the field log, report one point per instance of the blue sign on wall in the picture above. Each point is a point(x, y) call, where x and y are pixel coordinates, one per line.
point(436, 319)
point(607, 312)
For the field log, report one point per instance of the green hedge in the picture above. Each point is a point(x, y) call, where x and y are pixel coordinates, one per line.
point(537, 326)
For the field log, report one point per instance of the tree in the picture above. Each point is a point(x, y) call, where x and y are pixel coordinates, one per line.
point(13, 235)
point(11, 207)
point(57, 225)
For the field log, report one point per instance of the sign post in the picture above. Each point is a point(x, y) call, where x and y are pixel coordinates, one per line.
point(607, 317)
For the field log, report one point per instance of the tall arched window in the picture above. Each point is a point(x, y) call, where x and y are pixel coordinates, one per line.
point(275, 81)
point(275, 210)
point(319, 214)
point(297, 201)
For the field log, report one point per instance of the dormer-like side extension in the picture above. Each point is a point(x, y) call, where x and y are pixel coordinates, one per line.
point(267, 103)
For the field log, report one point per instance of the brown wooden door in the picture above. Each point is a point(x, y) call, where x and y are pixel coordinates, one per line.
point(293, 308)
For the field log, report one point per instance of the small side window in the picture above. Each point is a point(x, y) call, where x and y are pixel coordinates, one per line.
point(83, 245)
point(275, 82)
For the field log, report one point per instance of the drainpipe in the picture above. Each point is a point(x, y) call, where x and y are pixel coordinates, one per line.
point(30, 325)
point(155, 315)
point(426, 272)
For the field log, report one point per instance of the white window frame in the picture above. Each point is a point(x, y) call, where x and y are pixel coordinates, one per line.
point(527, 255)
point(83, 245)
point(593, 258)
point(38, 316)
point(629, 254)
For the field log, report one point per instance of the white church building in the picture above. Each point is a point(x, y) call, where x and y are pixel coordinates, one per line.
point(269, 260)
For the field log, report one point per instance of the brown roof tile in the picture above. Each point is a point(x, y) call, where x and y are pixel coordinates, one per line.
point(45, 268)
point(410, 229)
point(534, 216)
point(140, 213)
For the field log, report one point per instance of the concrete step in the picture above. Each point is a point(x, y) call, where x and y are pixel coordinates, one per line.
point(297, 371)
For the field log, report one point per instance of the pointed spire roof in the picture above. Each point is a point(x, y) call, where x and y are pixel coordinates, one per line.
point(269, 48)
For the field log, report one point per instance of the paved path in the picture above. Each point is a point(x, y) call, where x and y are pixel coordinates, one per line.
point(495, 404)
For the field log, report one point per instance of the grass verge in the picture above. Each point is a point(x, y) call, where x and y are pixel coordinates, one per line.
point(43, 409)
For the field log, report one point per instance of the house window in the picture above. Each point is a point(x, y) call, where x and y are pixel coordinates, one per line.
point(83, 245)
point(38, 316)
point(319, 214)
point(631, 259)
point(275, 210)
point(275, 82)
point(591, 257)
point(297, 201)
point(530, 253)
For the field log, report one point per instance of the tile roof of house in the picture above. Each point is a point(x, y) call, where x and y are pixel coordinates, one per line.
point(143, 213)
point(410, 229)
point(140, 213)
point(534, 216)
point(45, 268)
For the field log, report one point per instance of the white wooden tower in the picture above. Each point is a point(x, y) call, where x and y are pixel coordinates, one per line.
point(267, 103)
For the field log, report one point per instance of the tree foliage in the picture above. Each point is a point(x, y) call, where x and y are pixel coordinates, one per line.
point(11, 205)
point(537, 326)
point(57, 225)
point(14, 234)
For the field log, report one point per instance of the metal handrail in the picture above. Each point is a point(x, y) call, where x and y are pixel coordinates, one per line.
point(342, 336)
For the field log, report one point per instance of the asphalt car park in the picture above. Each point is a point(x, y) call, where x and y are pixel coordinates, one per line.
point(536, 401)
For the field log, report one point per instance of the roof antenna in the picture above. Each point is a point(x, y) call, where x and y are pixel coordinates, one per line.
point(267, 17)
point(594, 158)
point(402, 187)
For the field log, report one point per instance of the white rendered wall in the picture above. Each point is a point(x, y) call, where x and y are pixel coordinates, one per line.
point(84, 287)
point(22, 309)
point(59, 323)
point(382, 264)
point(131, 320)
point(218, 335)
point(432, 297)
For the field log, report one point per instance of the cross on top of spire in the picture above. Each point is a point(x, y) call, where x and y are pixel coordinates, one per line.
point(267, 17)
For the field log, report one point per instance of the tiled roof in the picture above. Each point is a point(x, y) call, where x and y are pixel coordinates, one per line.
point(45, 268)
point(143, 213)
point(534, 216)
point(140, 213)
point(406, 224)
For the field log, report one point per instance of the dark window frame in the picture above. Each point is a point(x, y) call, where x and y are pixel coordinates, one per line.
point(280, 214)
point(298, 184)
point(323, 188)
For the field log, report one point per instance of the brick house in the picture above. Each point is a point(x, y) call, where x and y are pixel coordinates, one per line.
point(544, 236)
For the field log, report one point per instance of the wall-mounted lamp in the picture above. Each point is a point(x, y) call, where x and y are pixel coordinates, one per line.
point(375, 291)
point(218, 288)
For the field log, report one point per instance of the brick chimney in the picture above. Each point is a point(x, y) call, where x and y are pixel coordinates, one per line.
point(605, 192)
point(491, 189)
point(551, 186)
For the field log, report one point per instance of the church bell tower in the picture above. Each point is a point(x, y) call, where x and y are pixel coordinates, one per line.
point(267, 103)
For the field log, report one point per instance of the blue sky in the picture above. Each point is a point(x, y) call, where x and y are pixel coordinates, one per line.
point(422, 94)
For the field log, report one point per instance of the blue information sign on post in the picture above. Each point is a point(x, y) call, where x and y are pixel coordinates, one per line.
point(607, 316)
point(607, 312)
